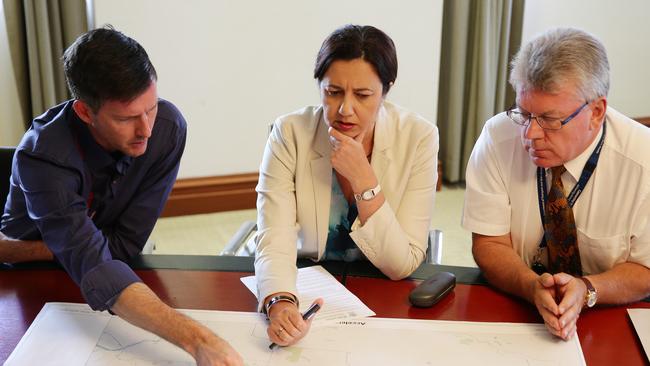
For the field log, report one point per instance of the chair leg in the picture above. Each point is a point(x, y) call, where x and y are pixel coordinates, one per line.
point(238, 241)
point(434, 250)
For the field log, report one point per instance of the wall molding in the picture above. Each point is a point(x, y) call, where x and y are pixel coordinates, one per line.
point(212, 194)
point(220, 193)
point(643, 120)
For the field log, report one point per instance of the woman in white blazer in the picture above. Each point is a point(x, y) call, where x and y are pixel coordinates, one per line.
point(351, 179)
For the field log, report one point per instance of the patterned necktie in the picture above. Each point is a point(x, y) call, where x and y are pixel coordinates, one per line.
point(560, 229)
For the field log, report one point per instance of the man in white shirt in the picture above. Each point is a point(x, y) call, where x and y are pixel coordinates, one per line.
point(561, 79)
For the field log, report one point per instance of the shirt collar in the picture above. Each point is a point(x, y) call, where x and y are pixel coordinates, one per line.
point(123, 164)
point(94, 155)
point(575, 166)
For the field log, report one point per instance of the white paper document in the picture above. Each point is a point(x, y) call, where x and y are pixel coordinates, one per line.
point(74, 335)
point(641, 320)
point(314, 282)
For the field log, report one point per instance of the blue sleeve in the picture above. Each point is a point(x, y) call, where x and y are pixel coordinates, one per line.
point(131, 231)
point(60, 213)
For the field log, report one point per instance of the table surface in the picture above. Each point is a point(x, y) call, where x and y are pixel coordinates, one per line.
point(606, 333)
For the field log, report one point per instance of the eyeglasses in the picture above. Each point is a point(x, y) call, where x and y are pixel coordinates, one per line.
point(546, 123)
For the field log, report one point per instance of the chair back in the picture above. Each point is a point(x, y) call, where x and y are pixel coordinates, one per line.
point(6, 156)
point(434, 249)
point(241, 244)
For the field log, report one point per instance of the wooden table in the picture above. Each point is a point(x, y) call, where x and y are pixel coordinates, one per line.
point(606, 334)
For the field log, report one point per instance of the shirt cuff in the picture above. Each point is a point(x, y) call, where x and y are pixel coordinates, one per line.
point(372, 233)
point(483, 228)
point(103, 284)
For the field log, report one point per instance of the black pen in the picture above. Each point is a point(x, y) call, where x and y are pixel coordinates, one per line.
point(306, 316)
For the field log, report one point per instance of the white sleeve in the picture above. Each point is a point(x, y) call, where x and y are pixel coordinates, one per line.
point(394, 239)
point(277, 235)
point(640, 242)
point(487, 209)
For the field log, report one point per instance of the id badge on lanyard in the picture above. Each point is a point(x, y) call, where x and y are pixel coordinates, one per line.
point(542, 196)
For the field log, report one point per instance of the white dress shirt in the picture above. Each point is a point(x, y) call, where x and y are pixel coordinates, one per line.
point(612, 214)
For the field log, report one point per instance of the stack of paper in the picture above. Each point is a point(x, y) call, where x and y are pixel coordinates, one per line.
point(314, 282)
point(641, 320)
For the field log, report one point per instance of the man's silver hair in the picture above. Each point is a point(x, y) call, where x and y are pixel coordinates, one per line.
point(560, 56)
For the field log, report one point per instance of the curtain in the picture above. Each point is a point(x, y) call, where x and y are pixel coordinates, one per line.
point(38, 31)
point(479, 37)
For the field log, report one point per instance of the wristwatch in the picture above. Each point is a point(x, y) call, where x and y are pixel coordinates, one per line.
point(368, 194)
point(591, 296)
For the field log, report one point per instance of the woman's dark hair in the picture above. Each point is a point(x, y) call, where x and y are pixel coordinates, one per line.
point(104, 64)
point(359, 41)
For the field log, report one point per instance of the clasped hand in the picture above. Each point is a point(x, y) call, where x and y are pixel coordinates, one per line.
point(559, 299)
point(349, 157)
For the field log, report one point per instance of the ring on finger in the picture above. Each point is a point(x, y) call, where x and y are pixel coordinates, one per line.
point(334, 143)
point(279, 332)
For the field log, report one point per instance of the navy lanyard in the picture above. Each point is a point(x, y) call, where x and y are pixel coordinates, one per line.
point(587, 171)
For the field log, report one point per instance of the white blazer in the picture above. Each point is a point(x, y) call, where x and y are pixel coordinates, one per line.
point(295, 185)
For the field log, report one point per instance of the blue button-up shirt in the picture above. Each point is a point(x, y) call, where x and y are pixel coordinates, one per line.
point(93, 209)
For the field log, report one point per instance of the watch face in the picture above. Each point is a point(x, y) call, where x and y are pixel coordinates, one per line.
point(367, 195)
point(591, 299)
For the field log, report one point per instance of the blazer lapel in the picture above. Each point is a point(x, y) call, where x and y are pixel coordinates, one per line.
point(321, 171)
point(381, 145)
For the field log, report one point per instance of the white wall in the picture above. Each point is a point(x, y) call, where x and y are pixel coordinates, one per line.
point(233, 66)
point(622, 26)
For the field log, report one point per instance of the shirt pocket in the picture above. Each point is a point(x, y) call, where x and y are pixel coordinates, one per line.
point(599, 254)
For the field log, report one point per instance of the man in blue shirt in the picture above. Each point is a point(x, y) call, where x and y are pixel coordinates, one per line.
point(89, 180)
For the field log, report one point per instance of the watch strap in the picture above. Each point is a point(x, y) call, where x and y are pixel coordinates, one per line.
point(591, 292)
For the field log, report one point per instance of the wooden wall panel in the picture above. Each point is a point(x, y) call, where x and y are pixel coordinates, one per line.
point(223, 193)
point(212, 194)
point(644, 120)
